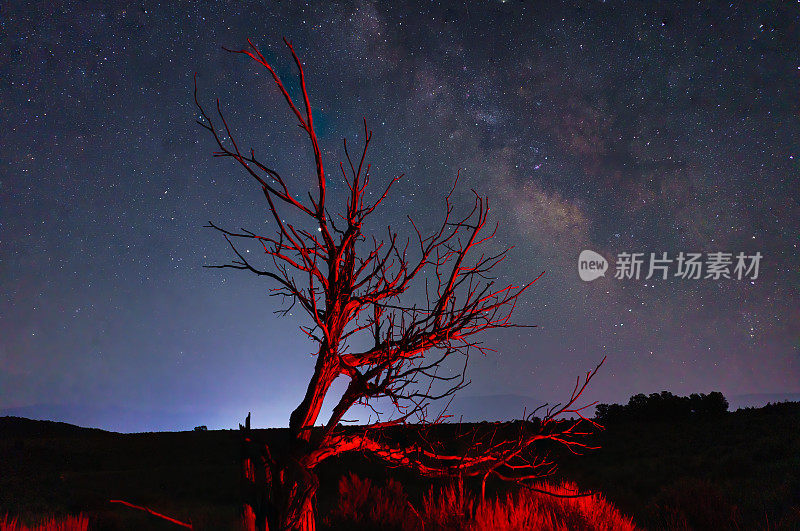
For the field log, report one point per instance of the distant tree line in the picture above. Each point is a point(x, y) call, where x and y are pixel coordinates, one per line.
point(663, 406)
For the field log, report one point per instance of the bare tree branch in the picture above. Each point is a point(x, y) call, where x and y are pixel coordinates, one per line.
point(355, 291)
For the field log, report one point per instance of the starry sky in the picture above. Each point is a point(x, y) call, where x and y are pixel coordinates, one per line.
point(611, 126)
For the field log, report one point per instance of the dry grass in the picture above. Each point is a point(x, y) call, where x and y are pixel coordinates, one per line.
point(64, 523)
point(526, 509)
point(365, 505)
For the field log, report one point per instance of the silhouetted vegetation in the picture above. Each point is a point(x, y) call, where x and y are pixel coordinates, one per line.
point(738, 470)
point(663, 406)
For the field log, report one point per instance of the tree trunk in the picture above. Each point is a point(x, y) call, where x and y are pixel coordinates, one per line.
point(279, 493)
point(283, 503)
point(307, 520)
point(294, 496)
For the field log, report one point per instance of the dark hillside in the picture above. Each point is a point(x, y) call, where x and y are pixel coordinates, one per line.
point(734, 470)
point(725, 471)
point(22, 427)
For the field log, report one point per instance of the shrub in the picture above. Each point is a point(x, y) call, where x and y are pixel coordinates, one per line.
point(695, 504)
point(364, 505)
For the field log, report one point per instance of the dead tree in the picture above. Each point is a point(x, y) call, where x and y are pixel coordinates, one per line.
point(351, 285)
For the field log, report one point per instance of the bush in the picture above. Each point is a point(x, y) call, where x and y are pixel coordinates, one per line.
point(364, 505)
point(663, 406)
point(695, 504)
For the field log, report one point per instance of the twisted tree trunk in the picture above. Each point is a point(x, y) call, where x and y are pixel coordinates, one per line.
point(353, 287)
point(304, 519)
point(278, 491)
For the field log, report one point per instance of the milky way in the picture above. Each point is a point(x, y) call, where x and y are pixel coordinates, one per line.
point(616, 127)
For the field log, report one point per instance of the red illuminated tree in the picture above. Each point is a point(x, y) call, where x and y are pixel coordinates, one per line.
point(351, 286)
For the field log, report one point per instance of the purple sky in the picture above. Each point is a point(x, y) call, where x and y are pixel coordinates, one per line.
point(616, 127)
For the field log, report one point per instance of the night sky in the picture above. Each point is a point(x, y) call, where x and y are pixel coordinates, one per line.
point(637, 127)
